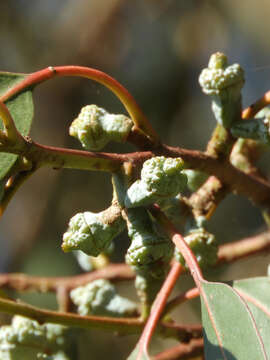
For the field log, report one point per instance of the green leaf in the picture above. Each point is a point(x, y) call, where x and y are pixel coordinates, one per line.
point(138, 353)
point(22, 110)
point(256, 293)
point(230, 331)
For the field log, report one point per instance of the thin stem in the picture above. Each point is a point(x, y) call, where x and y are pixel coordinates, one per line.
point(253, 109)
point(139, 119)
point(158, 307)
point(180, 299)
point(182, 351)
point(231, 252)
point(122, 326)
point(22, 282)
point(180, 243)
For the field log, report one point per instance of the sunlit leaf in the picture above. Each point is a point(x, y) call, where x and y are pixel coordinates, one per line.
point(230, 331)
point(256, 293)
point(21, 109)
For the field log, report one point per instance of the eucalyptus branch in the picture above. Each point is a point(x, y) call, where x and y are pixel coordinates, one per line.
point(22, 282)
point(182, 351)
point(139, 119)
point(227, 254)
point(158, 307)
point(240, 249)
point(123, 326)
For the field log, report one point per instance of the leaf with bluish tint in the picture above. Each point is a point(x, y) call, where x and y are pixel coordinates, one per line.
point(230, 332)
point(256, 293)
point(21, 109)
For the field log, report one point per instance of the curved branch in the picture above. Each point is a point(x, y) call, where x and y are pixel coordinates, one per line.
point(253, 109)
point(139, 119)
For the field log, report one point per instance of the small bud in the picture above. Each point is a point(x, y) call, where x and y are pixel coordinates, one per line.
point(89, 263)
point(93, 232)
point(147, 245)
point(175, 209)
point(224, 84)
point(25, 339)
point(204, 246)
point(160, 178)
point(95, 127)
point(100, 298)
point(195, 179)
point(256, 129)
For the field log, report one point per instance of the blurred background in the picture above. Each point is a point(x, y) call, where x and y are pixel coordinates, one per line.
point(156, 48)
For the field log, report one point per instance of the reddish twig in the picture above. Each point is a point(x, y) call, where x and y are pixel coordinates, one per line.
point(157, 308)
point(21, 282)
point(139, 119)
point(253, 109)
point(182, 351)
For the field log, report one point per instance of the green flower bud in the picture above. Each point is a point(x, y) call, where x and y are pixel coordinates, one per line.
point(25, 339)
point(93, 232)
point(160, 178)
point(224, 84)
point(256, 129)
point(95, 127)
point(147, 247)
point(195, 179)
point(175, 209)
point(204, 246)
point(100, 298)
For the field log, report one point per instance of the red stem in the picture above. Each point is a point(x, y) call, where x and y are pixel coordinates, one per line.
point(158, 307)
point(120, 91)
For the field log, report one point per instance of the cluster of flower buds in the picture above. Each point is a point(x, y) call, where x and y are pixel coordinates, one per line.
point(95, 127)
point(100, 298)
point(25, 339)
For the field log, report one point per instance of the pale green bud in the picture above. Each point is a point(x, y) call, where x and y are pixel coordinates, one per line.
point(195, 179)
point(160, 178)
point(224, 84)
point(147, 245)
point(93, 232)
point(204, 246)
point(100, 298)
point(175, 209)
point(95, 127)
point(256, 129)
point(25, 339)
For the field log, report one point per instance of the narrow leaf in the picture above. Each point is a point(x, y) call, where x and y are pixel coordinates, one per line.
point(21, 109)
point(230, 331)
point(256, 293)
